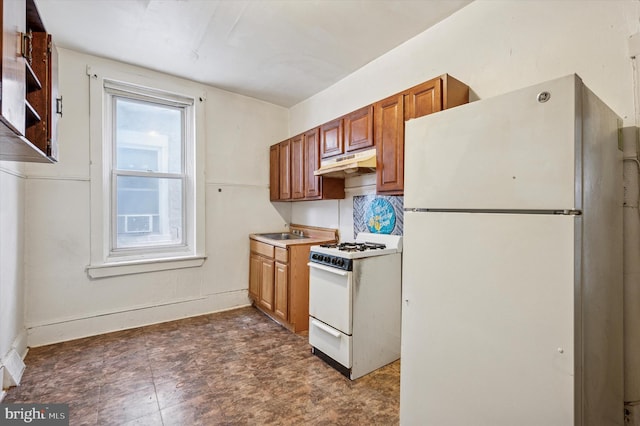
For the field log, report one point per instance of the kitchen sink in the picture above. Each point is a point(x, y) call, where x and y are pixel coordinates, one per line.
point(282, 236)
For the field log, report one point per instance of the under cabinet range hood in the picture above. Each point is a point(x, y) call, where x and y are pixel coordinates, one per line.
point(349, 165)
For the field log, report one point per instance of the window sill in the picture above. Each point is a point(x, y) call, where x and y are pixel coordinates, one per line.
point(142, 266)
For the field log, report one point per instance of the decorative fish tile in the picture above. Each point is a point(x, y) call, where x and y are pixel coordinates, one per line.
point(379, 214)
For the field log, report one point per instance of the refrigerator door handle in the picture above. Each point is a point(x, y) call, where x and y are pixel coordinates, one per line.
point(495, 211)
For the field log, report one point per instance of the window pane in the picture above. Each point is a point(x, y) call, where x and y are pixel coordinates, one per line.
point(148, 136)
point(149, 211)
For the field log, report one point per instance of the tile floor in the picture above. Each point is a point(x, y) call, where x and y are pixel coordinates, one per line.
point(231, 368)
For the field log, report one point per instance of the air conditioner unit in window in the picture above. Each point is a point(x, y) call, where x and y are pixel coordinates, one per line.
point(138, 223)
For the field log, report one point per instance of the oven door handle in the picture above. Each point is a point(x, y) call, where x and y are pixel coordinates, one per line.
point(325, 328)
point(328, 269)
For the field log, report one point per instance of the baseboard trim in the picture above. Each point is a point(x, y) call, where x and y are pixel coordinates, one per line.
point(46, 334)
point(12, 363)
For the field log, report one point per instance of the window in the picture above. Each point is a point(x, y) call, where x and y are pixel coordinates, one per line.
point(148, 209)
point(148, 173)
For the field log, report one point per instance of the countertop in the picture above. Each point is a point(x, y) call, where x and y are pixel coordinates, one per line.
point(285, 243)
point(314, 236)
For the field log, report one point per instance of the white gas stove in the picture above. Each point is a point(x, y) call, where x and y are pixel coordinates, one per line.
point(365, 245)
point(354, 303)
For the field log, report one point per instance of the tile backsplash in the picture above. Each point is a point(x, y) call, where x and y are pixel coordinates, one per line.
point(379, 214)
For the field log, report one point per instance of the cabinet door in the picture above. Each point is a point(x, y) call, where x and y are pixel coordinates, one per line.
point(285, 170)
point(423, 99)
point(358, 129)
point(13, 87)
point(389, 136)
point(266, 284)
point(331, 142)
point(55, 100)
point(297, 167)
point(312, 182)
point(255, 271)
point(281, 290)
point(274, 172)
point(38, 93)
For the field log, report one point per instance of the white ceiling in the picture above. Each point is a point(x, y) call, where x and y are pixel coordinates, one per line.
point(280, 51)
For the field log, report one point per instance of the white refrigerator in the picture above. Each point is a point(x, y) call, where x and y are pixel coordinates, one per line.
point(512, 262)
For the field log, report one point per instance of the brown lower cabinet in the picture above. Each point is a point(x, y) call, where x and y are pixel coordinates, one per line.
point(279, 283)
point(279, 278)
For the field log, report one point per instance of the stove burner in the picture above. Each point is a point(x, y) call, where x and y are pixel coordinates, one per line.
point(355, 246)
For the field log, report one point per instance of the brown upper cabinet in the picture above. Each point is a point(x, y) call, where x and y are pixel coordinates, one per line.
point(389, 116)
point(274, 172)
point(312, 183)
point(297, 167)
point(285, 170)
point(350, 133)
point(30, 105)
point(292, 171)
point(389, 135)
point(358, 129)
point(380, 125)
point(331, 138)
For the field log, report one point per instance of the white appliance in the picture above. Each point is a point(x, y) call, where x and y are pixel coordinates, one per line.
point(354, 303)
point(512, 262)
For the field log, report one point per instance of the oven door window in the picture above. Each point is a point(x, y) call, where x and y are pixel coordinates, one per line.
point(330, 296)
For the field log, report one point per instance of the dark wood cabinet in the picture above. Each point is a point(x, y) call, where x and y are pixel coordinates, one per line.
point(389, 116)
point(274, 172)
point(358, 129)
point(285, 169)
point(29, 103)
point(423, 99)
point(297, 168)
point(353, 132)
point(389, 135)
point(312, 163)
point(45, 102)
point(331, 138)
point(380, 125)
point(292, 163)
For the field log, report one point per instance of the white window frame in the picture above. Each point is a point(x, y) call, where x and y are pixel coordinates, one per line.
point(104, 84)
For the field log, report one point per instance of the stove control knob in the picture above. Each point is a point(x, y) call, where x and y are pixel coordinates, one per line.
point(326, 259)
point(340, 262)
point(333, 261)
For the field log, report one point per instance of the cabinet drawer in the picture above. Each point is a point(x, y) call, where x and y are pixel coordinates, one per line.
point(282, 255)
point(262, 248)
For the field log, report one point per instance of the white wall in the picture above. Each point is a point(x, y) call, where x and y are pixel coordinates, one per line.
point(12, 329)
point(495, 47)
point(63, 303)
